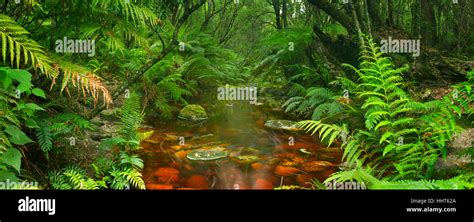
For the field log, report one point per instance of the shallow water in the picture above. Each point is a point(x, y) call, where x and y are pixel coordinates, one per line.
point(239, 129)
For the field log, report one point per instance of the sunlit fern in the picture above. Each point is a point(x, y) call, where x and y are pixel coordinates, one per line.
point(394, 136)
point(22, 50)
point(123, 177)
point(130, 9)
point(73, 177)
point(327, 132)
point(86, 82)
point(366, 176)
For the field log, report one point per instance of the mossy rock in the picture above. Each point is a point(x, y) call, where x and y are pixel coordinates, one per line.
point(207, 154)
point(282, 125)
point(193, 113)
point(246, 156)
point(246, 159)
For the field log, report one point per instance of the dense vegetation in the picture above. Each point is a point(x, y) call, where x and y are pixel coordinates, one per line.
point(393, 114)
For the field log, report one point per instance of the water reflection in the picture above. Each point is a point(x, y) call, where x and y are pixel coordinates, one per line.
point(255, 157)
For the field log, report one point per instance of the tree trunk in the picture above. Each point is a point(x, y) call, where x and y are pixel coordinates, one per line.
point(276, 8)
point(336, 14)
point(369, 23)
point(372, 8)
point(284, 14)
point(390, 13)
point(415, 19)
point(429, 25)
point(356, 22)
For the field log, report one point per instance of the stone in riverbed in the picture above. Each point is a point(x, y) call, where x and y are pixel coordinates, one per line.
point(285, 171)
point(207, 154)
point(246, 159)
point(159, 187)
point(262, 184)
point(167, 174)
point(197, 181)
point(316, 166)
point(245, 156)
point(193, 113)
point(282, 125)
point(257, 166)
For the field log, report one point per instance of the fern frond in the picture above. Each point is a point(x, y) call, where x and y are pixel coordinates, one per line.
point(22, 49)
point(85, 81)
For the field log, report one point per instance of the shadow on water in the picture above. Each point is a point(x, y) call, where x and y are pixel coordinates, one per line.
point(257, 157)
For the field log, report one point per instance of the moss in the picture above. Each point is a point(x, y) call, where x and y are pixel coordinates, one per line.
point(193, 113)
point(282, 125)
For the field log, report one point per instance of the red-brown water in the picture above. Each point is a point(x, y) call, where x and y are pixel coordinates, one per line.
point(238, 131)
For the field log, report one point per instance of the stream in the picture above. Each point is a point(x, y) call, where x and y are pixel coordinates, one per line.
point(253, 156)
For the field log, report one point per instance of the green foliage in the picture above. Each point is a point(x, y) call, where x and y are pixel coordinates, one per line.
point(131, 118)
point(399, 132)
point(11, 157)
point(56, 130)
point(455, 183)
point(282, 50)
point(327, 132)
point(21, 49)
point(17, 113)
point(314, 101)
point(365, 175)
point(122, 171)
point(400, 138)
point(73, 177)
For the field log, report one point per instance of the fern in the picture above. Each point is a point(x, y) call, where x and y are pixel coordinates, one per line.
point(400, 138)
point(44, 137)
point(21, 49)
point(73, 177)
point(365, 175)
point(131, 118)
point(327, 132)
point(389, 121)
point(131, 160)
point(84, 80)
point(315, 102)
point(130, 9)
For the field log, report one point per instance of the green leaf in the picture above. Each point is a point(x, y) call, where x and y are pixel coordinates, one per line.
point(31, 123)
point(39, 93)
point(385, 136)
point(383, 123)
point(17, 136)
point(23, 77)
point(33, 106)
point(12, 157)
point(8, 175)
point(5, 80)
point(388, 148)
